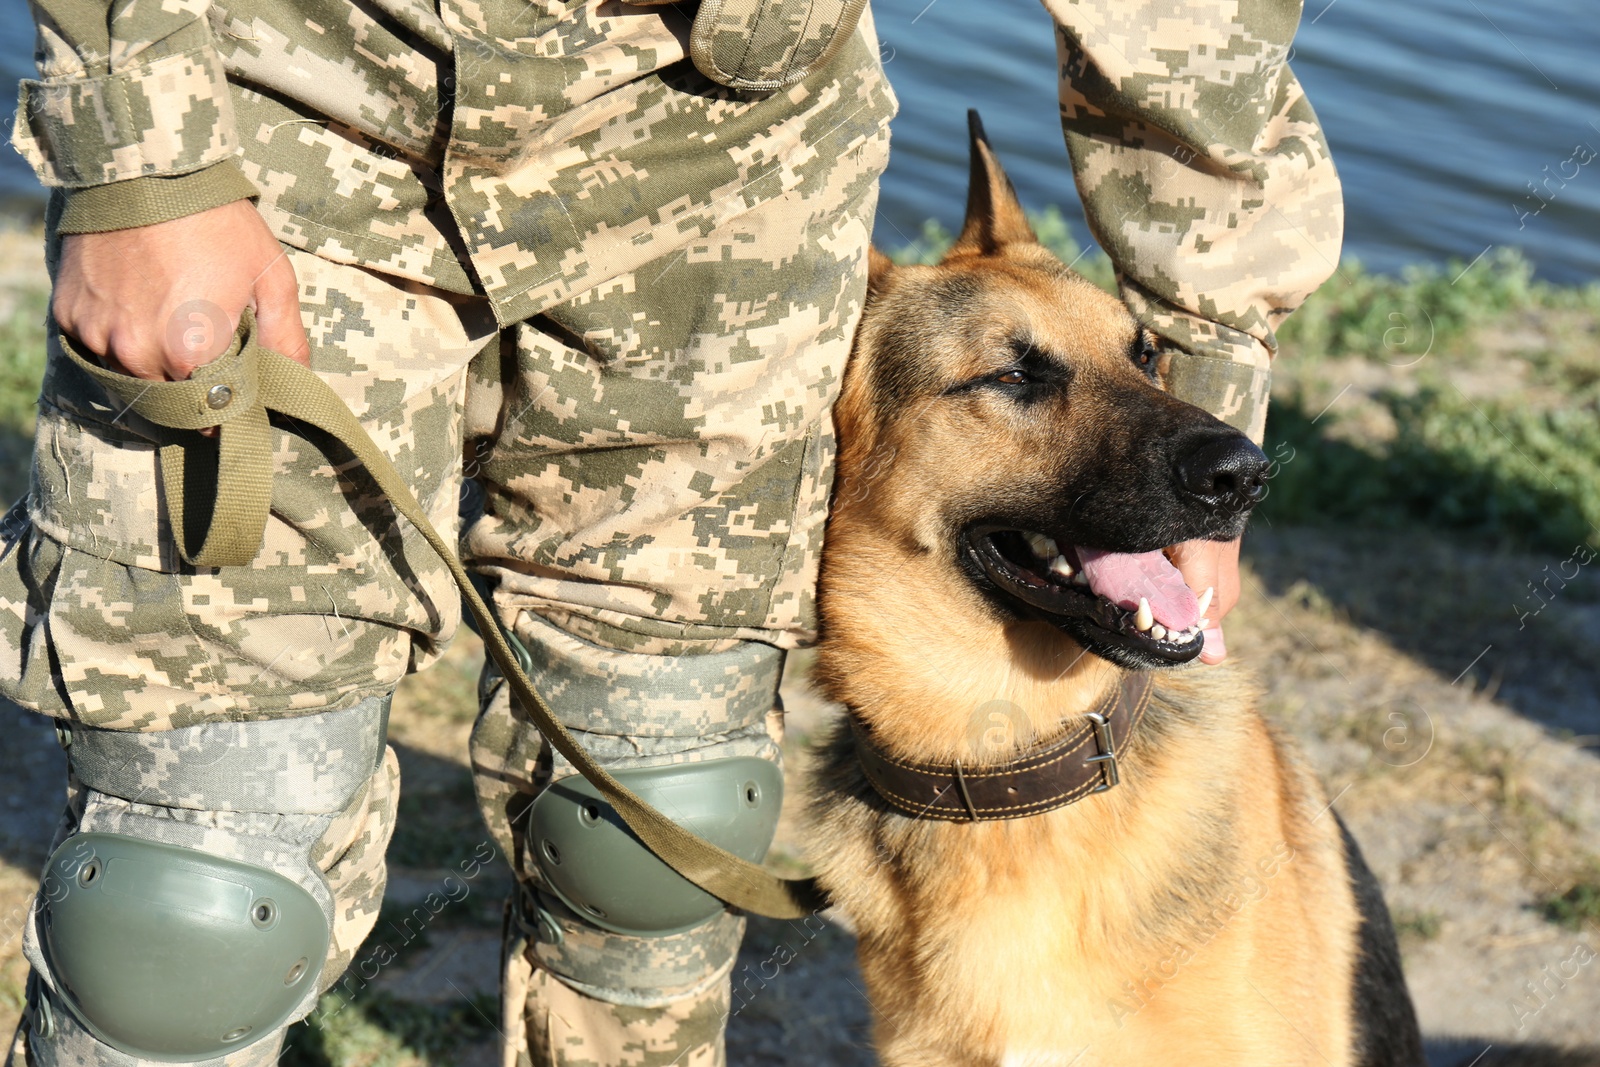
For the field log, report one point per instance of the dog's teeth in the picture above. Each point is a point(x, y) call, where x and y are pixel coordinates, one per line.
point(1080, 579)
point(1043, 547)
point(1060, 566)
point(1142, 619)
point(1205, 599)
point(1158, 632)
point(1202, 624)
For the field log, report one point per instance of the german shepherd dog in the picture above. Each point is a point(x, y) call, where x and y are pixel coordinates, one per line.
point(1054, 849)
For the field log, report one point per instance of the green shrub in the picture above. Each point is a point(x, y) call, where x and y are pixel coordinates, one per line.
point(1487, 468)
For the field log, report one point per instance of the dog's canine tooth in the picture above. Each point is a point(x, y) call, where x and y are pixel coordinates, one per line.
point(1060, 566)
point(1142, 619)
point(1202, 624)
point(1205, 599)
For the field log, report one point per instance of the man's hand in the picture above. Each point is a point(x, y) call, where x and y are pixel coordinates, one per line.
point(155, 302)
point(1213, 564)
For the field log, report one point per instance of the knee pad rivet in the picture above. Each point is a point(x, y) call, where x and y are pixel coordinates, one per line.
point(590, 815)
point(752, 795)
point(235, 1034)
point(88, 873)
point(264, 913)
point(552, 853)
point(296, 971)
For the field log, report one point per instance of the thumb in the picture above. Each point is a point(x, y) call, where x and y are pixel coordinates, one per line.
point(278, 323)
point(1216, 649)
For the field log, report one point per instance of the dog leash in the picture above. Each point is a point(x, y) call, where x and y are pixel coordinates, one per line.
point(235, 392)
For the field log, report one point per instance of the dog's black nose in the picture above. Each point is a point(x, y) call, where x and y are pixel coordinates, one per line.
point(1225, 473)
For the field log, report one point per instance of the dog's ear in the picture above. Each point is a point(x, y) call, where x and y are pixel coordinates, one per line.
point(994, 214)
point(879, 267)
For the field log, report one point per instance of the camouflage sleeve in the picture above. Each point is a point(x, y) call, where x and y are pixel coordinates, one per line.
point(1205, 177)
point(130, 114)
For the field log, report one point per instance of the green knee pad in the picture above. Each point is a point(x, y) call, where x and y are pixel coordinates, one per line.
point(596, 866)
point(171, 954)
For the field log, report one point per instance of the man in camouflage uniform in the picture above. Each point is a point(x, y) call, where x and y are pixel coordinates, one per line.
point(611, 257)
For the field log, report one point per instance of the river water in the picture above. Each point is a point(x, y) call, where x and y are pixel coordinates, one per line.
point(1441, 113)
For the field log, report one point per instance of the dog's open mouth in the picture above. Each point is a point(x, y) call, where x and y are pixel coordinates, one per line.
point(1133, 605)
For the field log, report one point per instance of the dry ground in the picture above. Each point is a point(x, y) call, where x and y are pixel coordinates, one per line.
point(1461, 746)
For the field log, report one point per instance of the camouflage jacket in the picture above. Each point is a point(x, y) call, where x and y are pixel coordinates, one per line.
point(478, 147)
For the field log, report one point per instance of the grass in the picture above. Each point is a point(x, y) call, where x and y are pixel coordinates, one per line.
point(1416, 927)
point(1577, 907)
point(1494, 470)
point(22, 340)
point(376, 1029)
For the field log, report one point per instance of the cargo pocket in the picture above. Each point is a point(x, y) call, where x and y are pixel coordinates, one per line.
point(761, 45)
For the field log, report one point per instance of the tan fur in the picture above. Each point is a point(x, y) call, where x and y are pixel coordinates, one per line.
point(1200, 913)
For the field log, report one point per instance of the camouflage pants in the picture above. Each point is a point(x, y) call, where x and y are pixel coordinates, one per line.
point(655, 457)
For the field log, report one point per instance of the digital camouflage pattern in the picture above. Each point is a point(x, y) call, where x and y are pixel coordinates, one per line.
point(661, 999)
point(1205, 177)
point(656, 456)
point(530, 234)
point(768, 44)
point(376, 134)
point(101, 622)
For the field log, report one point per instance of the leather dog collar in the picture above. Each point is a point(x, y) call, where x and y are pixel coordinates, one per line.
point(1077, 764)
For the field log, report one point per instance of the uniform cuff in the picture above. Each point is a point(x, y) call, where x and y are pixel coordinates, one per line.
point(1234, 392)
point(147, 201)
point(171, 115)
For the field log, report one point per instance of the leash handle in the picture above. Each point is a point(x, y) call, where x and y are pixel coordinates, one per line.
point(234, 392)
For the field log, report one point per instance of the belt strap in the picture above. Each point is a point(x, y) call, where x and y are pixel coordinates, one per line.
point(235, 392)
point(1080, 763)
point(263, 765)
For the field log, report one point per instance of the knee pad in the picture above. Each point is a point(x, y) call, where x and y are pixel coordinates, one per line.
point(598, 868)
point(690, 735)
point(187, 917)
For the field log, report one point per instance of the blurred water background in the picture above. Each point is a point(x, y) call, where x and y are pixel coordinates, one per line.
point(1441, 114)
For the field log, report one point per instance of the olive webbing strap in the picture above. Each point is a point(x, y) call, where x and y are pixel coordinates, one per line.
point(235, 392)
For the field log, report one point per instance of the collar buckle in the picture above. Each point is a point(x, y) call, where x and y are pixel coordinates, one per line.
point(1107, 753)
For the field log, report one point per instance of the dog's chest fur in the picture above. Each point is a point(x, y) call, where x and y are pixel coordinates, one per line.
point(1128, 925)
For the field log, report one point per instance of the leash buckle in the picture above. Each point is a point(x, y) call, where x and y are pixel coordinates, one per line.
point(1107, 757)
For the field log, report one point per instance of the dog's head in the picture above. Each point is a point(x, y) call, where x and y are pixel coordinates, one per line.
point(1004, 418)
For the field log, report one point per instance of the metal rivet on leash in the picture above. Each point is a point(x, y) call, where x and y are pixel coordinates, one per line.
point(219, 397)
point(44, 1019)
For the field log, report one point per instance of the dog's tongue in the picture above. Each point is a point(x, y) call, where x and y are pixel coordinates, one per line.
point(1124, 577)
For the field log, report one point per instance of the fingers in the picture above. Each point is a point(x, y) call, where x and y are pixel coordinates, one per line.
point(278, 323)
point(158, 301)
point(1214, 565)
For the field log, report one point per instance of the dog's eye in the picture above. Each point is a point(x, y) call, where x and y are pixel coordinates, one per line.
point(1144, 355)
point(1013, 377)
